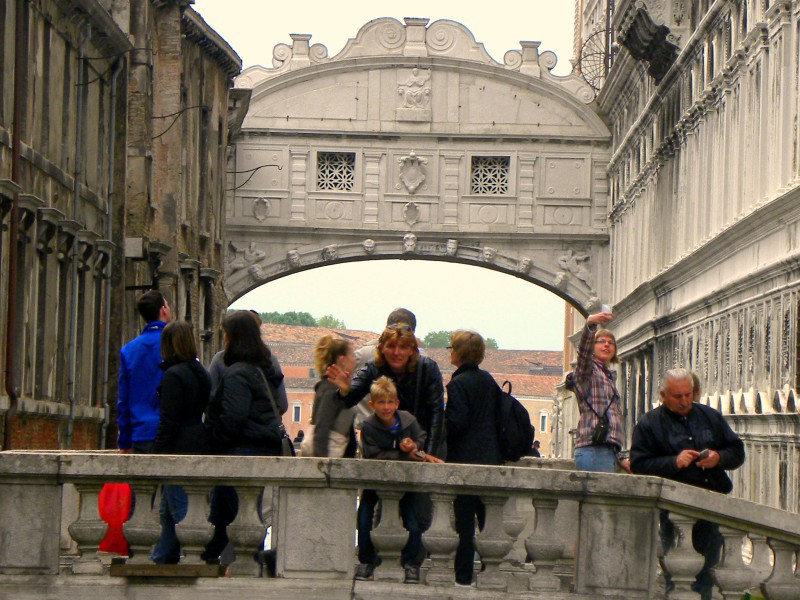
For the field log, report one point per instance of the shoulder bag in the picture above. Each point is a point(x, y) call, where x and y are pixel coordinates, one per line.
point(287, 448)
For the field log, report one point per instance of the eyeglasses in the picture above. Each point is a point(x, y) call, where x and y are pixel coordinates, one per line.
point(449, 347)
point(605, 343)
point(399, 327)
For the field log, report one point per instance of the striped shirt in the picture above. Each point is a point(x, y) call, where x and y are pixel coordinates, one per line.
point(595, 384)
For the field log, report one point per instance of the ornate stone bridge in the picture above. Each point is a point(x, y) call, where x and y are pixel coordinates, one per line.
point(414, 143)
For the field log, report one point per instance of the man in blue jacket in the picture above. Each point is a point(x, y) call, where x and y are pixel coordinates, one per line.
point(691, 443)
point(139, 378)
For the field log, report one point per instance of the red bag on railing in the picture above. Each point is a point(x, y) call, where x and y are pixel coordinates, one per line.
point(114, 506)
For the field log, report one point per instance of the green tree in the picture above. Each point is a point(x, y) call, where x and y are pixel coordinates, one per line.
point(331, 322)
point(441, 339)
point(289, 318)
point(437, 339)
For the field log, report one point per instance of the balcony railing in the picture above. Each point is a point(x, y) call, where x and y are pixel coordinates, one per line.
point(585, 535)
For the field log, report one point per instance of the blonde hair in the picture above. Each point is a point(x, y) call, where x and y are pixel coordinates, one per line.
point(327, 350)
point(383, 387)
point(468, 346)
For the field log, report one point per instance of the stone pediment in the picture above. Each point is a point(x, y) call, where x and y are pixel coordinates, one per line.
point(414, 41)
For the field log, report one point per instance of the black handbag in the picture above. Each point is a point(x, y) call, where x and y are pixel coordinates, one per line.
point(287, 447)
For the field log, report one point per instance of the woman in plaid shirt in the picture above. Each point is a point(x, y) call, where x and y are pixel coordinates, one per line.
point(600, 429)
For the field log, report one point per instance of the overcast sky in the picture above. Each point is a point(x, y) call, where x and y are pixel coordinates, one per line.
point(444, 296)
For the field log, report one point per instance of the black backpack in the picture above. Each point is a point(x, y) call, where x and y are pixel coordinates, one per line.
point(514, 429)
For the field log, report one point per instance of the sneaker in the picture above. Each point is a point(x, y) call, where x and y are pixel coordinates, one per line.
point(412, 574)
point(364, 571)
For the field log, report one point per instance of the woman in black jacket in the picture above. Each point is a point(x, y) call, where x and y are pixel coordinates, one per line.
point(240, 419)
point(472, 397)
point(183, 397)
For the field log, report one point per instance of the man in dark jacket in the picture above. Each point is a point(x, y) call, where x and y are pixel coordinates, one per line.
point(693, 444)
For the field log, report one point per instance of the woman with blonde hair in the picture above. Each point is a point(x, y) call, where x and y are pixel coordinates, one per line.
point(331, 433)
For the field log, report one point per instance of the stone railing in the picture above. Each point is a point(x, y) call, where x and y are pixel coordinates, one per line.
point(588, 535)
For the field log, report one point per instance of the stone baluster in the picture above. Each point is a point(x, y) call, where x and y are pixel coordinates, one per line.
point(493, 544)
point(514, 524)
point(247, 531)
point(441, 541)
point(389, 537)
point(682, 562)
point(544, 546)
point(88, 530)
point(782, 584)
point(142, 529)
point(732, 575)
point(194, 530)
point(761, 561)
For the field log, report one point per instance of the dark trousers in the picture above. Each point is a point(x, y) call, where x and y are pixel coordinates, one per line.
point(706, 540)
point(467, 509)
point(410, 506)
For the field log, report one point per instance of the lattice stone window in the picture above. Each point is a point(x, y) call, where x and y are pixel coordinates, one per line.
point(336, 171)
point(490, 175)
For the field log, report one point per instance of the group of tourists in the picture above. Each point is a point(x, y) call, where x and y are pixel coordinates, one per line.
point(386, 401)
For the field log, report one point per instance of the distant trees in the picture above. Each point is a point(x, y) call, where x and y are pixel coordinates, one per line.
point(300, 318)
point(441, 339)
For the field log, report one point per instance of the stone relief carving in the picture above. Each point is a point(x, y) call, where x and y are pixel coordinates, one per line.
point(411, 212)
point(293, 259)
point(411, 172)
point(257, 273)
point(561, 280)
point(415, 92)
point(368, 245)
point(261, 208)
point(488, 254)
point(524, 265)
point(451, 247)
point(253, 254)
point(409, 243)
point(236, 260)
point(578, 266)
point(329, 252)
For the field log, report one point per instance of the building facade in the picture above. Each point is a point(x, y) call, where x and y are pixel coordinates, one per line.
point(114, 123)
point(702, 101)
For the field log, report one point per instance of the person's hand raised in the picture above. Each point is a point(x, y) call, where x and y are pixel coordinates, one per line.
point(600, 318)
point(339, 377)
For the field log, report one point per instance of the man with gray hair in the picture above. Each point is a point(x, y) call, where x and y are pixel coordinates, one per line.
point(691, 443)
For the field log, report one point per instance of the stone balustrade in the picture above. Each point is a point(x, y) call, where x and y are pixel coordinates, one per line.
point(587, 535)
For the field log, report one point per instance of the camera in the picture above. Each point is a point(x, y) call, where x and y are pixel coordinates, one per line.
point(600, 431)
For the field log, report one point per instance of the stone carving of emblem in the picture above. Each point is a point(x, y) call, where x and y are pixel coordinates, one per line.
point(368, 245)
point(411, 172)
point(293, 258)
point(334, 210)
point(452, 247)
point(409, 243)
point(411, 212)
point(488, 254)
point(414, 91)
point(577, 265)
point(524, 265)
point(329, 252)
point(237, 260)
point(261, 209)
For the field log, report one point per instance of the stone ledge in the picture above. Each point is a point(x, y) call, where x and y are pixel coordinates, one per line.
point(47, 408)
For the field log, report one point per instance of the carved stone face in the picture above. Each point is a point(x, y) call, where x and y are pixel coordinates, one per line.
point(293, 257)
point(452, 247)
point(409, 243)
point(524, 265)
point(488, 254)
point(329, 252)
point(368, 245)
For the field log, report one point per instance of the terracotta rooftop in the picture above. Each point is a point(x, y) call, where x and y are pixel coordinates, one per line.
point(531, 372)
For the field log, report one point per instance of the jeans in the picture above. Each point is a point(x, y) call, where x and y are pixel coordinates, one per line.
point(172, 510)
point(706, 540)
point(467, 509)
point(410, 505)
point(600, 459)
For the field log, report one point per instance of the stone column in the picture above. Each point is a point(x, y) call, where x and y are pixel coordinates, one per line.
point(731, 575)
point(194, 530)
point(142, 529)
point(450, 188)
point(300, 173)
point(441, 541)
point(493, 544)
point(88, 530)
point(682, 562)
point(389, 537)
point(782, 584)
point(526, 194)
point(544, 545)
point(372, 187)
point(247, 531)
